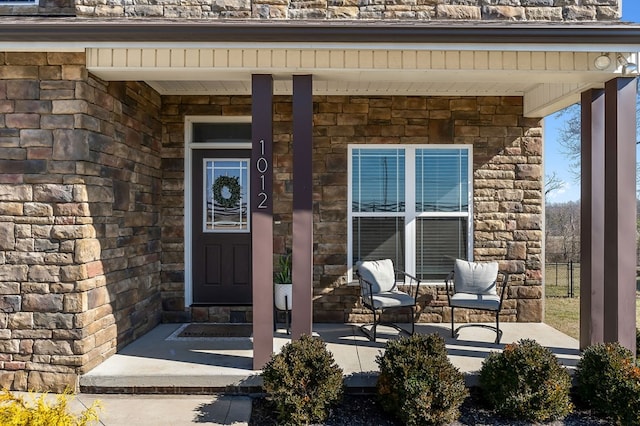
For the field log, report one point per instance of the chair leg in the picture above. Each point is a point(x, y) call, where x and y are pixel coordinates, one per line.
point(453, 334)
point(375, 324)
point(287, 314)
point(413, 320)
point(498, 332)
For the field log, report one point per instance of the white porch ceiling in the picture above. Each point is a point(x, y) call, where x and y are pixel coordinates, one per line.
point(548, 81)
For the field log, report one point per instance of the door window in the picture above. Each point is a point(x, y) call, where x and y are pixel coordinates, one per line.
point(226, 202)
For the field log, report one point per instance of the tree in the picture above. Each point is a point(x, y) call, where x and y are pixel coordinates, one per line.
point(569, 137)
point(570, 141)
point(562, 231)
point(552, 183)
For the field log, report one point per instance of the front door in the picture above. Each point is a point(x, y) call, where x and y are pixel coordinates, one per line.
point(221, 227)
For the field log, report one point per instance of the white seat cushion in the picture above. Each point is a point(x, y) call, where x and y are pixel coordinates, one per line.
point(390, 299)
point(475, 278)
point(379, 273)
point(476, 301)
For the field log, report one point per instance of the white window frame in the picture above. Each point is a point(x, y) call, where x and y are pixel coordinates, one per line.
point(410, 213)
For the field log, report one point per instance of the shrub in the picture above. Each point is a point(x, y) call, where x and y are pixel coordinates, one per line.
point(526, 382)
point(16, 411)
point(303, 381)
point(609, 382)
point(418, 383)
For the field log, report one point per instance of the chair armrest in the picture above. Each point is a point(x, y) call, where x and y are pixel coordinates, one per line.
point(412, 281)
point(366, 290)
point(451, 289)
point(449, 286)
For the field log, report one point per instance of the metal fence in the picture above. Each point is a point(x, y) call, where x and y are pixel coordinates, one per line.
point(562, 279)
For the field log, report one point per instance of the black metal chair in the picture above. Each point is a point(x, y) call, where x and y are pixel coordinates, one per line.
point(380, 292)
point(474, 286)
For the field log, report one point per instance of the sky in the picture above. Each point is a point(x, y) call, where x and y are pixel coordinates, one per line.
point(557, 162)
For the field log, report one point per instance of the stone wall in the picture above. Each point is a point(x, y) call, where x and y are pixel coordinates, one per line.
point(467, 10)
point(507, 158)
point(79, 218)
point(507, 191)
point(92, 198)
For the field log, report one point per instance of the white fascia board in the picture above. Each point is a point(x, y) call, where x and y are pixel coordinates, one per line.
point(13, 46)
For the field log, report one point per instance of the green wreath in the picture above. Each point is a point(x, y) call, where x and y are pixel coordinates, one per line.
point(231, 183)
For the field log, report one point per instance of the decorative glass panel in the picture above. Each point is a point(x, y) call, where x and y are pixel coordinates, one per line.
point(439, 241)
point(378, 181)
point(379, 238)
point(442, 180)
point(226, 188)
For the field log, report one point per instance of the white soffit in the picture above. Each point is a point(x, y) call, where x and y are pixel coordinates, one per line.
point(548, 81)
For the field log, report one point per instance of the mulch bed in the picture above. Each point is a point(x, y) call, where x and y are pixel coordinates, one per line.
point(361, 410)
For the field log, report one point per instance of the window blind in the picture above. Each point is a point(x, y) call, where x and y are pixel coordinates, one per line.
point(441, 180)
point(378, 181)
point(379, 238)
point(439, 241)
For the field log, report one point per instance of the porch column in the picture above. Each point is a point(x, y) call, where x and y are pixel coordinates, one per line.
point(620, 212)
point(302, 310)
point(262, 217)
point(592, 219)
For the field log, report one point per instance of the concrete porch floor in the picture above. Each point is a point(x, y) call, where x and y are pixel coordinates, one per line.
point(159, 362)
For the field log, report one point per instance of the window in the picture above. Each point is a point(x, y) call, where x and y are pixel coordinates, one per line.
point(410, 204)
point(225, 201)
point(18, 2)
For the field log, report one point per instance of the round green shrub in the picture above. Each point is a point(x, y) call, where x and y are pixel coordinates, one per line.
point(609, 382)
point(417, 382)
point(526, 382)
point(303, 381)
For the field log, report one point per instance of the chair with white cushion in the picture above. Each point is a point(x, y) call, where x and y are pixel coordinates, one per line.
point(473, 285)
point(380, 292)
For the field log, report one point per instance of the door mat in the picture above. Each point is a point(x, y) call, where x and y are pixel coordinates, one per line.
point(217, 330)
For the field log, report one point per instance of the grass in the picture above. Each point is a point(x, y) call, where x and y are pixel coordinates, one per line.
point(562, 312)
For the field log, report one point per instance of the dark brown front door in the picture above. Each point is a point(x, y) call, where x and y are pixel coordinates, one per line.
point(221, 227)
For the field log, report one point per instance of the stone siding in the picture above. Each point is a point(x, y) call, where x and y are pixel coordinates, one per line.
point(467, 10)
point(92, 198)
point(507, 191)
point(79, 218)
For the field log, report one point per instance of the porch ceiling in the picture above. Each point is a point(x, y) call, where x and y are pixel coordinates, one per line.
point(548, 80)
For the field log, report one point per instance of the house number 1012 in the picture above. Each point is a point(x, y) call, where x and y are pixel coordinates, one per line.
point(262, 165)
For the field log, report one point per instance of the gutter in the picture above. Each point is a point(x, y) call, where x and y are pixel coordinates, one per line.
point(131, 30)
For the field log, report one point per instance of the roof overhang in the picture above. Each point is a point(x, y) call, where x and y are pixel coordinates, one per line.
point(549, 64)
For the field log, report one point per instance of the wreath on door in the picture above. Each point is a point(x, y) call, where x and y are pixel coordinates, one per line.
point(233, 187)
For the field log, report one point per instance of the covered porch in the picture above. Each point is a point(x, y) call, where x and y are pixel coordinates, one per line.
point(304, 99)
point(544, 69)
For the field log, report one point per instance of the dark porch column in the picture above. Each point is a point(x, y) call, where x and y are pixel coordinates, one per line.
point(592, 219)
point(620, 212)
point(262, 217)
point(302, 311)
